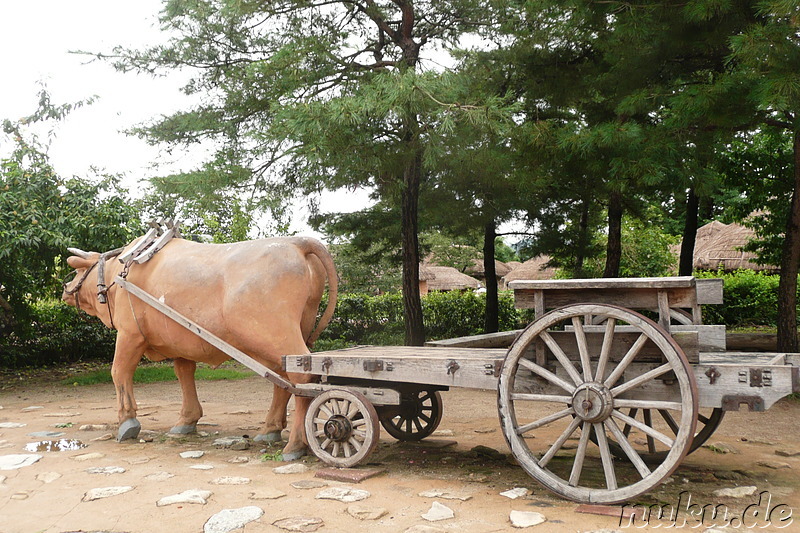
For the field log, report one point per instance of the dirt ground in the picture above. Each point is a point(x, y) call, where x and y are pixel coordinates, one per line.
point(48, 495)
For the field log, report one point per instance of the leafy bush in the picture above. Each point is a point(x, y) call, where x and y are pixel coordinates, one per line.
point(749, 299)
point(57, 333)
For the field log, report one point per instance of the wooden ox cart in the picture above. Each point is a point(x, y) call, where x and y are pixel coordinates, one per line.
point(633, 395)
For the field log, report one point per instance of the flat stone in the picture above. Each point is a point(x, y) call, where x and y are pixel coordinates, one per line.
point(94, 427)
point(202, 467)
point(516, 492)
point(775, 465)
point(348, 475)
point(343, 494)
point(610, 510)
point(32, 408)
point(235, 443)
point(487, 430)
point(267, 493)
point(48, 477)
point(445, 495)
point(22, 495)
point(422, 528)
point(522, 519)
point(230, 480)
point(105, 492)
point(299, 523)
point(443, 433)
point(11, 425)
point(230, 519)
point(362, 512)
point(438, 512)
point(305, 484)
point(19, 460)
point(103, 437)
point(194, 496)
point(736, 492)
point(294, 468)
point(159, 476)
point(60, 415)
point(192, 454)
point(108, 470)
point(240, 412)
point(721, 447)
point(46, 434)
point(239, 460)
point(88, 456)
point(138, 460)
point(787, 453)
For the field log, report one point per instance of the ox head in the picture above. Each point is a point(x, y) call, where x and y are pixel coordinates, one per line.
point(80, 290)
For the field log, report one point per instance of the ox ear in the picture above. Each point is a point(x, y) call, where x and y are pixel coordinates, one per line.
point(80, 253)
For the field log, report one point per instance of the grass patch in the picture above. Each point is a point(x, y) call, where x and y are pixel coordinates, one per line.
point(154, 374)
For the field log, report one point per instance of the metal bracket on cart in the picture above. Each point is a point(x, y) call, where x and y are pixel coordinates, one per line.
point(732, 402)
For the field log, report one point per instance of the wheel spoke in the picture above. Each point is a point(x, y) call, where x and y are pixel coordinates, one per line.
point(647, 404)
point(583, 348)
point(703, 419)
point(352, 411)
point(346, 449)
point(648, 419)
point(638, 380)
point(605, 350)
point(580, 454)
point(626, 360)
point(337, 448)
point(358, 423)
point(605, 456)
point(325, 410)
point(546, 420)
point(667, 416)
point(541, 397)
point(425, 418)
point(325, 443)
point(559, 442)
point(427, 396)
point(320, 420)
point(644, 428)
point(355, 444)
point(561, 356)
point(622, 440)
point(546, 374)
point(418, 424)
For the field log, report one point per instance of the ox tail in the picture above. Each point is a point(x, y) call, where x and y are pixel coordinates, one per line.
point(313, 246)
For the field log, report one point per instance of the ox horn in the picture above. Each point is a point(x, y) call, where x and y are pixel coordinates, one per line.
point(80, 253)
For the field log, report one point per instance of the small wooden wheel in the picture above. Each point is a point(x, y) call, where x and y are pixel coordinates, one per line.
point(417, 416)
point(342, 427)
point(556, 385)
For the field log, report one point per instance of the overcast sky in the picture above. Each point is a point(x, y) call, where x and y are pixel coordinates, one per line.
point(36, 37)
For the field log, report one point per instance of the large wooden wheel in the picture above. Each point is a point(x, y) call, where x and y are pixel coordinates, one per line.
point(555, 385)
point(417, 416)
point(342, 427)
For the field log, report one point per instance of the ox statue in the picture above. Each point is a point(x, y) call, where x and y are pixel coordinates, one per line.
point(260, 296)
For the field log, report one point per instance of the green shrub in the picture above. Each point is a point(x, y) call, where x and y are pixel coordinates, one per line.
point(749, 299)
point(56, 333)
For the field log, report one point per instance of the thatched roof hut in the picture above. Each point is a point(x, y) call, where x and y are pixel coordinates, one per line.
point(535, 268)
point(448, 279)
point(720, 245)
point(478, 271)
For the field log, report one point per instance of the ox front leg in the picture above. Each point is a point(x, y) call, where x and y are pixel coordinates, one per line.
point(191, 410)
point(276, 417)
point(298, 442)
point(127, 354)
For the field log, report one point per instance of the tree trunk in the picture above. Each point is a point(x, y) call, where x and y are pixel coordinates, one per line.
point(686, 264)
point(790, 259)
point(583, 240)
point(614, 247)
point(492, 317)
point(412, 304)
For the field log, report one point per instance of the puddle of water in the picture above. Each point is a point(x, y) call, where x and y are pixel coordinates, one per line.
point(60, 445)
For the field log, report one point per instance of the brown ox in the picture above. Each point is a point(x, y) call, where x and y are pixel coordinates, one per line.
point(260, 296)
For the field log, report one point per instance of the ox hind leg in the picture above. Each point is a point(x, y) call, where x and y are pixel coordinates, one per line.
point(276, 417)
point(191, 410)
point(298, 441)
point(127, 354)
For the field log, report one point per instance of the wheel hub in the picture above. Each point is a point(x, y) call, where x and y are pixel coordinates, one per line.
point(592, 402)
point(338, 428)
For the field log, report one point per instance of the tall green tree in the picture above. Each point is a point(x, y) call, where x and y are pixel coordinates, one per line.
point(302, 96)
point(42, 213)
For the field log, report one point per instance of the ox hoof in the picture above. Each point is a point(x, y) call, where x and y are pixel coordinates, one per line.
point(295, 455)
point(128, 430)
point(183, 430)
point(272, 436)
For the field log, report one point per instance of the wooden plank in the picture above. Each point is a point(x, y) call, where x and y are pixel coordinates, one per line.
point(502, 339)
point(755, 342)
point(673, 282)
point(709, 291)
point(631, 298)
point(709, 338)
